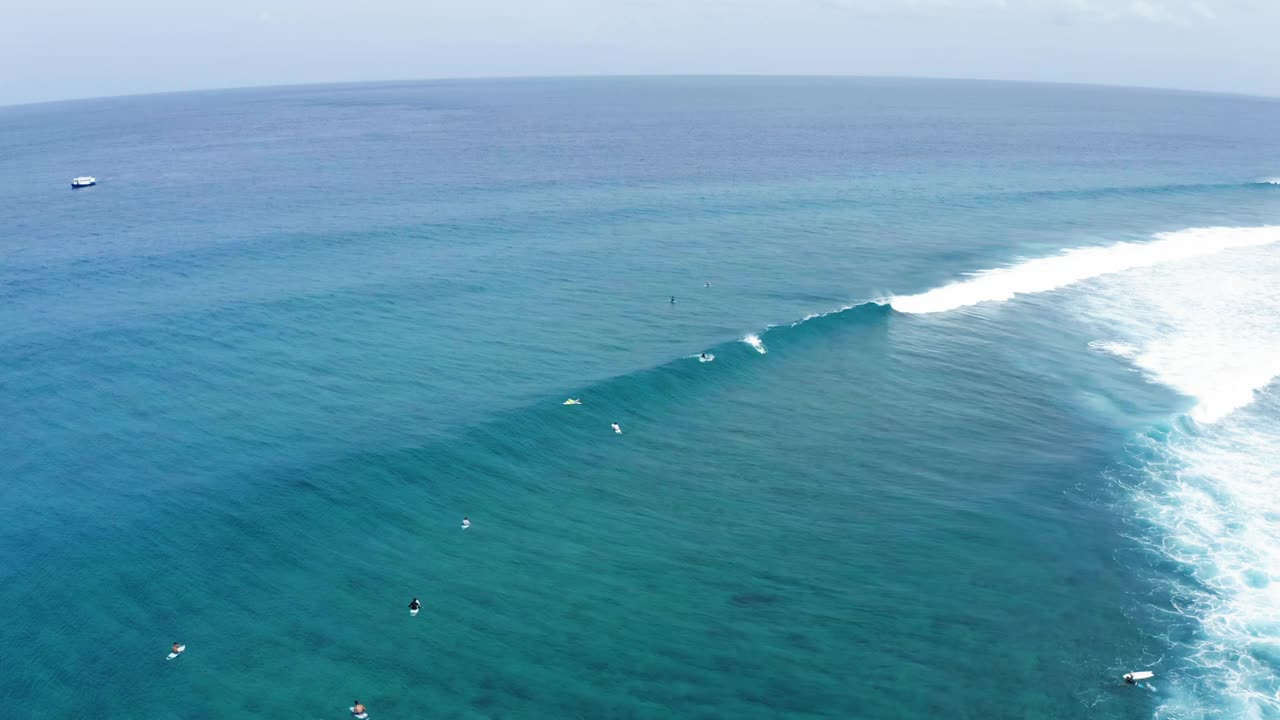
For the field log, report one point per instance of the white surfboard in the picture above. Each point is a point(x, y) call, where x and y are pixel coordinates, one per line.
point(466, 524)
point(1143, 675)
point(572, 401)
point(361, 716)
point(706, 358)
point(617, 429)
point(414, 612)
point(173, 655)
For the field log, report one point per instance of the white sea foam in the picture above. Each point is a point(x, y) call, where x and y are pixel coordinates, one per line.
point(1073, 266)
point(1209, 496)
point(1115, 347)
point(754, 341)
point(1270, 181)
point(1209, 329)
point(1213, 501)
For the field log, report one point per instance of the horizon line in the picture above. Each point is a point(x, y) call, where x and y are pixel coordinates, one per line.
point(636, 76)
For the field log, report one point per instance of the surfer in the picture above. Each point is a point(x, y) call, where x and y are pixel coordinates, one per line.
point(466, 522)
point(358, 710)
point(616, 428)
point(703, 357)
point(414, 605)
point(673, 299)
point(708, 283)
point(178, 648)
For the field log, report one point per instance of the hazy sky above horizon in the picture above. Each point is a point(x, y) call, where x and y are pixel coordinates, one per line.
point(78, 48)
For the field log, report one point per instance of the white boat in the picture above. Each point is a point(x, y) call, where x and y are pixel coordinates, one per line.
point(85, 181)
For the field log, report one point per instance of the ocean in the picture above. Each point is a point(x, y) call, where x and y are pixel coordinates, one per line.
point(991, 413)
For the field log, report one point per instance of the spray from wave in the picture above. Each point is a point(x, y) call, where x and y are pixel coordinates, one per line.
point(1073, 266)
point(754, 341)
point(1114, 347)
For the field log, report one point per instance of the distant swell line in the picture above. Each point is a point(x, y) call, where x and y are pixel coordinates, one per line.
point(1126, 190)
point(1079, 264)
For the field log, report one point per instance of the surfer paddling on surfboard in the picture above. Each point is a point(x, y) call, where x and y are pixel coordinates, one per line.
point(1136, 678)
point(357, 710)
point(617, 428)
point(414, 606)
point(177, 650)
point(466, 522)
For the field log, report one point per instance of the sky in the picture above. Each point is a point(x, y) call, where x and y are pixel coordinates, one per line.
point(62, 49)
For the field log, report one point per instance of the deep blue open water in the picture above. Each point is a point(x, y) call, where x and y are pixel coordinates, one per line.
point(992, 416)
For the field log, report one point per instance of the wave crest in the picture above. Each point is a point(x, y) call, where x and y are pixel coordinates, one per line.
point(1076, 265)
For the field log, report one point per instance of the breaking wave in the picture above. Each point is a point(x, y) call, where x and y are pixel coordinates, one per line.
point(1206, 494)
point(1079, 264)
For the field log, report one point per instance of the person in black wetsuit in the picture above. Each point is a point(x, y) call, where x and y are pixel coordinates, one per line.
point(415, 605)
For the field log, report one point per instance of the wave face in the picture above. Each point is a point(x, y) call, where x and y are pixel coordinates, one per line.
point(1206, 495)
point(1076, 265)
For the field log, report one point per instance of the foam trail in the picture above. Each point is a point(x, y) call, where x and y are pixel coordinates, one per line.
point(1073, 266)
point(1270, 181)
point(1212, 500)
point(754, 341)
point(1208, 495)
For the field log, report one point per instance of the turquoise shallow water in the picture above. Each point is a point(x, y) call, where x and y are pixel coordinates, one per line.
point(255, 378)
